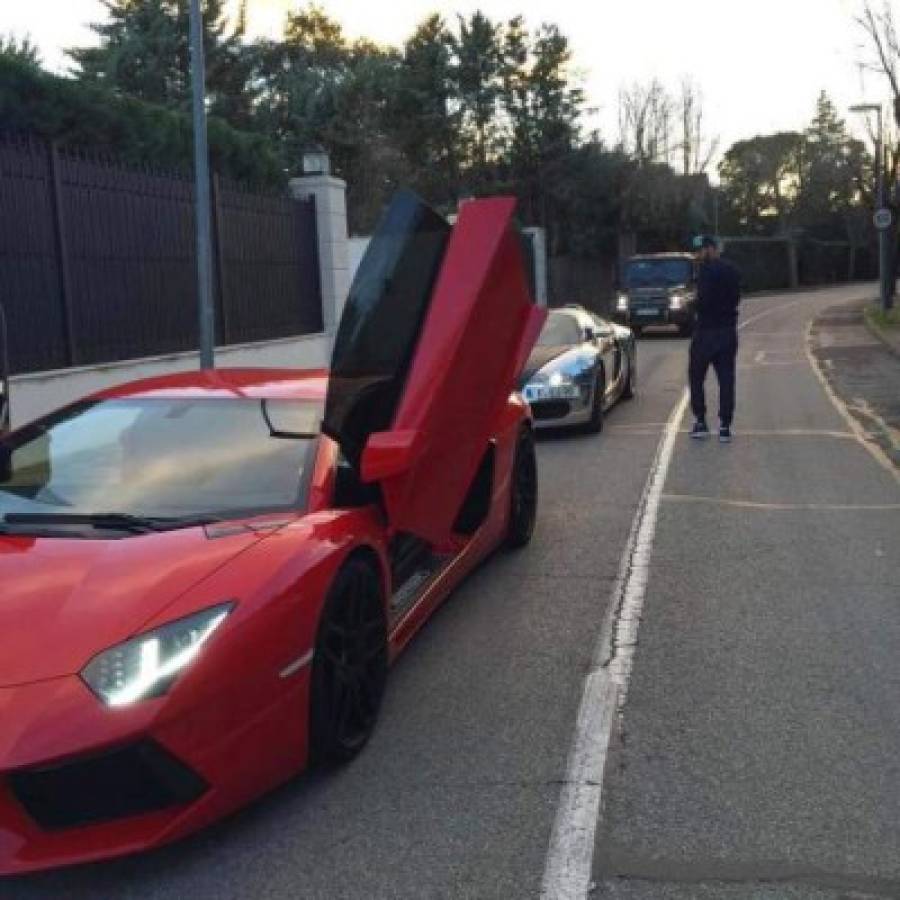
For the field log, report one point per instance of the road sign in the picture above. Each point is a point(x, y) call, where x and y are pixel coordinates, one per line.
point(883, 219)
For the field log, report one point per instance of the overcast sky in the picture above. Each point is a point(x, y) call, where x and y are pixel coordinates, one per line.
point(760, 63)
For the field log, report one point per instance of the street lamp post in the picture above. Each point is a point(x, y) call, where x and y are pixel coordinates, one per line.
point(206, 310)
point(886, 276)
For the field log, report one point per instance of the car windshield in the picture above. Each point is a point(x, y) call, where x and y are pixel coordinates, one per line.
point(559, 330)
point(169, 459)
point(655, 272)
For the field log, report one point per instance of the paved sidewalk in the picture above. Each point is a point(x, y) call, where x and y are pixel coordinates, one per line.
point(863, 371)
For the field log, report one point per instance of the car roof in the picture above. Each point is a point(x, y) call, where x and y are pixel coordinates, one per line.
point(256, 384)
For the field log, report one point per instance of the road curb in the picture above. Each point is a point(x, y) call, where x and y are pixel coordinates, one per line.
point(872, 432)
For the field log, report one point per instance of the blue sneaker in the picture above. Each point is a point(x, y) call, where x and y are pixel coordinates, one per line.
point(700, 431)
point(725, 434)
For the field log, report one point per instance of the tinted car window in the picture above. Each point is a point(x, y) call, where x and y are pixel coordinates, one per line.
point(559, 330)
point(653, 272)
point(165, 458)
point(382, 321)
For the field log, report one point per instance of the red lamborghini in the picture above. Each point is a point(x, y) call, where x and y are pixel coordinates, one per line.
point(206, 576)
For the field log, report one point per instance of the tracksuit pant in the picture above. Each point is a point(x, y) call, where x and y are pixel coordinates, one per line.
point(716, 347)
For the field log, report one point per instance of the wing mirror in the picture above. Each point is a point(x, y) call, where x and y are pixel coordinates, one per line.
point(590, 334)
point(388, 454)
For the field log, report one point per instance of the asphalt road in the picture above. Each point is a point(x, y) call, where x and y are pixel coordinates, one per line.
point(757, 753)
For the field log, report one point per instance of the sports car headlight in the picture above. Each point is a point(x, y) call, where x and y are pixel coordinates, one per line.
point(147, 666)
point(622, 303)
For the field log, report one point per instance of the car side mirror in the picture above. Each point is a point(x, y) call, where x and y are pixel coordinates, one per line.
point(590, 334)
point(388, 454)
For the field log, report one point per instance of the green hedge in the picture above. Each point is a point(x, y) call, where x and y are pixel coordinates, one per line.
point(82, 115)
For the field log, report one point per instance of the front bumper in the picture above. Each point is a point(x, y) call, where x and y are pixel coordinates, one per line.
point(560, 413)
point(656, 315)
point(81, 782)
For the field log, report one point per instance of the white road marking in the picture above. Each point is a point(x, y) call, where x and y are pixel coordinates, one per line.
point(567, 870)
point(792, 432)
point(806, 507)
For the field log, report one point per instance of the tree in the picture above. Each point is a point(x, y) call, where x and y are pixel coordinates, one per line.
point(697, 150)
point(425, 114)
point(761, 180)
point(836, 170)
point(543, 107)
point(20, 49)
point(477, 71)
point(645, 122)
point(88, 116)
point(144, 52)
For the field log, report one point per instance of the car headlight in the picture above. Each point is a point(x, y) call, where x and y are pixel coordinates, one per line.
point(675, 301)
point(557, 379)
point(622, 303)
point(147, 666)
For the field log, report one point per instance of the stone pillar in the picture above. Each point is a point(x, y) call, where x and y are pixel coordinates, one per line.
point(331, 225)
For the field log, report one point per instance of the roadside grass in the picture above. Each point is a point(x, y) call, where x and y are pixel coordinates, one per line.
point(881, 319)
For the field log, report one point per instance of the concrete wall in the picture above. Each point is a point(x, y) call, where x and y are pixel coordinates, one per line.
point(40, 393)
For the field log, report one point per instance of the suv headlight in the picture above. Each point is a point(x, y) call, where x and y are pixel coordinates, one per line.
point(148, 665)
point(622, 303)
point(676, 301)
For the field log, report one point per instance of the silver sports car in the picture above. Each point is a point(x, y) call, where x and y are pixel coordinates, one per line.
point(580, 366)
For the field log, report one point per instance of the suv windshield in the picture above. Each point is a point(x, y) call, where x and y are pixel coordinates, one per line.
point(658, 272)
point(560, 330)
point(165, 459)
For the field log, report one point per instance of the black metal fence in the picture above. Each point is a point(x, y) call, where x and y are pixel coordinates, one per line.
point(97, 261)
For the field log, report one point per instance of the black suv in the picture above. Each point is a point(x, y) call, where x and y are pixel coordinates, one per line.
point(658, 289)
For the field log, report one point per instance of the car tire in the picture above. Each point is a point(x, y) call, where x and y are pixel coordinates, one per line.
point(628, 390)
point(350, 664)
point(523, 492)
point(595, 423)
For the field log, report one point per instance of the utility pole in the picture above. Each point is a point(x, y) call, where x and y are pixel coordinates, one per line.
point(202, 194)
point(883, 218)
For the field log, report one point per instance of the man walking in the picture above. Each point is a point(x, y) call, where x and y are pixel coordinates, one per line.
point(715, 339)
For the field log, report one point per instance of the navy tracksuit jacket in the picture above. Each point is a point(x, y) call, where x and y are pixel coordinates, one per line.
point(715, 340)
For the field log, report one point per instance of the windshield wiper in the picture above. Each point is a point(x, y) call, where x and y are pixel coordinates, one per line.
point(108, 521)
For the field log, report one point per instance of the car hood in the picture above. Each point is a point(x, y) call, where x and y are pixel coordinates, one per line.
point(64, 600)
point(540, 357)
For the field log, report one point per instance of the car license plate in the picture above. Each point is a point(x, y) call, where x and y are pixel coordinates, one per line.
point(647, 312)
point(537, 392)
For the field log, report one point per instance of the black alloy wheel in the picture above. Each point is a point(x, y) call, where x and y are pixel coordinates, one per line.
point(595, 423)
point(523, 492)
point(628, 390)
point(349, 666)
